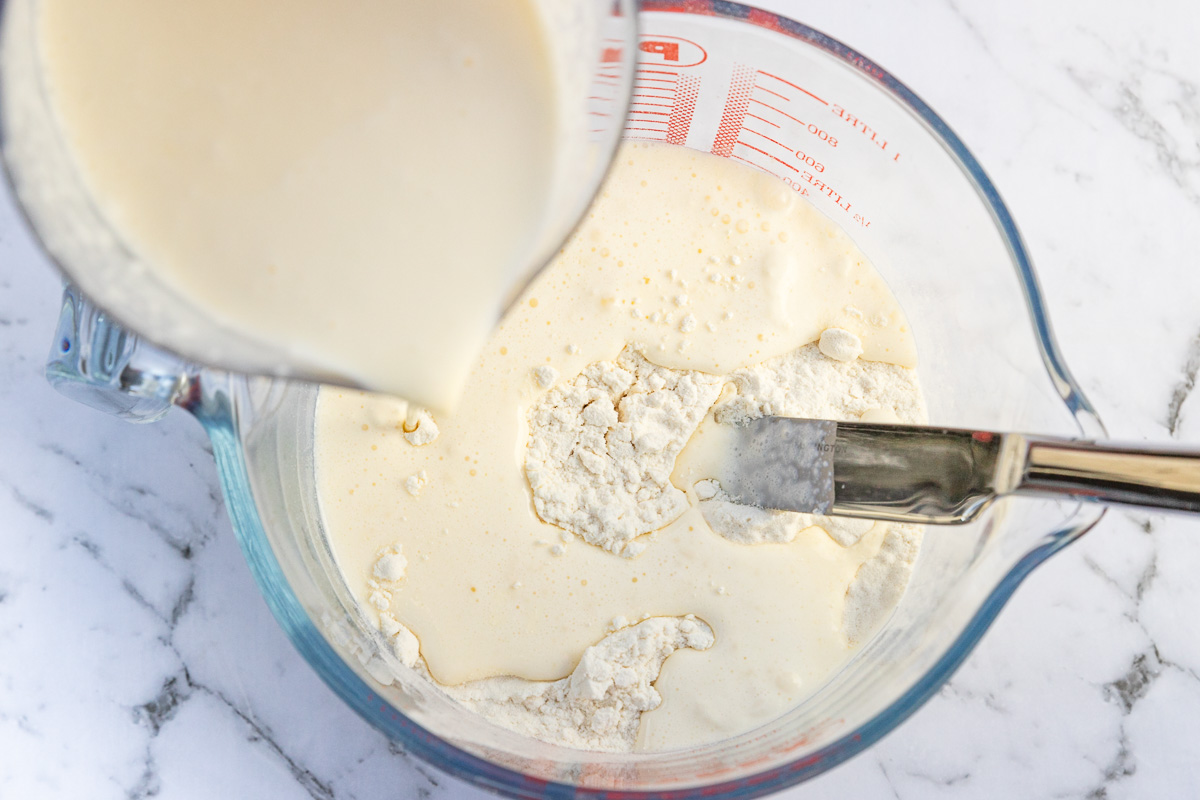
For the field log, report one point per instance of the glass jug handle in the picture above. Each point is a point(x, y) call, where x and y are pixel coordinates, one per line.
point(98, 363)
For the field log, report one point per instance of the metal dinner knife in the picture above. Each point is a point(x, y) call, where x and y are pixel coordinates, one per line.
point(909, 473)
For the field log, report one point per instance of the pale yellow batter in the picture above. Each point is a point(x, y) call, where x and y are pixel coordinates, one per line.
point(489, 588)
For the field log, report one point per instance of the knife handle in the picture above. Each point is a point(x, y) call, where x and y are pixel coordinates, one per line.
point(1154, 477)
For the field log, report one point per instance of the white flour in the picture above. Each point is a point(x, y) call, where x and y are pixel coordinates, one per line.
point(753, 525)
point(840, 344)
point(599, 460)
point(404, 643)
point(600, 704)
point(416, 423)
point(391, 565)
point(597, 707)
point(388, 572)
point(806, 383)
point(413, 484)
point(880, 582)
point(419, 428)
point(811, 384)
point(602, 447)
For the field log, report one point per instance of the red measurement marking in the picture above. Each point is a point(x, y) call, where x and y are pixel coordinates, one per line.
point(794, 86)
point(655, 130)
point(658, 72)
point(768, 91)
point(660, 80)
point(756, 116)
point(657, 105)
point(777, 111)
point(680, 122)
point(655, 96)
point(740, 87)
point(827, 190)
point(768, 138)
point(658, 113)
point(600, 113)
point(604, 99)
point(768, 155)
point(867, 131)
point(672, 51)
point(606, 83)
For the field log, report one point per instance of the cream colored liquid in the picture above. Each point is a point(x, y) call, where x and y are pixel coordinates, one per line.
point(485, 594)
point(352, 185)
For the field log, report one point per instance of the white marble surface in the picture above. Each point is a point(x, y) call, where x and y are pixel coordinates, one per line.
point(137, 658)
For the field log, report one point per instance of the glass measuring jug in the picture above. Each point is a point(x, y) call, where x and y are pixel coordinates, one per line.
point(299, 189)
point(938, 233)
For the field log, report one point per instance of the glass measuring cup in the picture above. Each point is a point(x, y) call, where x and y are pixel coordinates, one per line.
point(313, 217)
point(937, 231)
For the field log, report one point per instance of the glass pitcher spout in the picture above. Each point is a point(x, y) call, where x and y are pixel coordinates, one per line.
point(95, 361)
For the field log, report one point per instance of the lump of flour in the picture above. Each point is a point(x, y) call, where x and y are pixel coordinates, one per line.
point(599, 705)
point(807, 383)
point(602, 448)
point(419, 428)
point(388, 572)
point(840, 344)
point(752, 525)
point(404, 642)
point(416, 424)
point(413, 484)
point(391, 564)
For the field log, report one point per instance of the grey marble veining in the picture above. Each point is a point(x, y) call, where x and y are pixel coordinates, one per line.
point(138, 660)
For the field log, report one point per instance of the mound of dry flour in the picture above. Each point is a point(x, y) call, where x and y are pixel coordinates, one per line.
point(808, 383)
point(602, 447)
point(600, 704)
point(597, 707)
